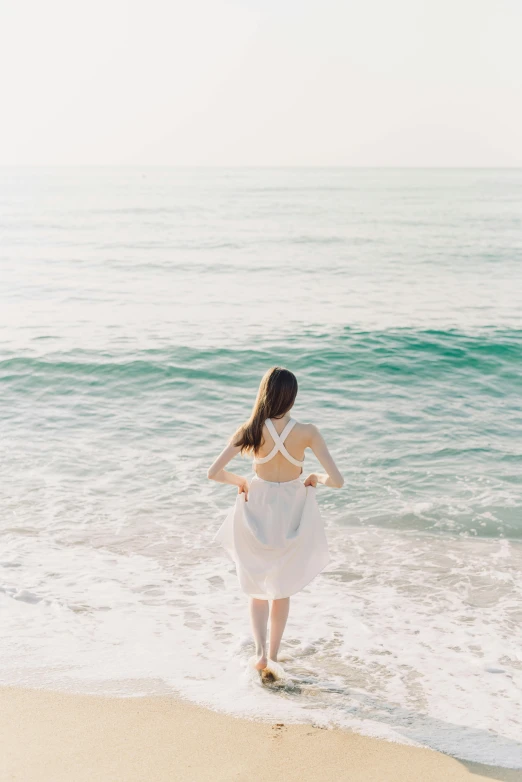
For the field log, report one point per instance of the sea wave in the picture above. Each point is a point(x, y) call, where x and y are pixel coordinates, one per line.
point(343, 353)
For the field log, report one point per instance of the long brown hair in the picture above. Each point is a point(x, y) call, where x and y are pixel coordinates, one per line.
point(276, 395)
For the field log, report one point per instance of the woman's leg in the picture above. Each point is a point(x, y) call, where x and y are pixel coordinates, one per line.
point(259, 621)
point(278, 617)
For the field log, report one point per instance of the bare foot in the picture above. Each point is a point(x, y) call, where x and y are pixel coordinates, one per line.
point(273, 671)
point(261, 663)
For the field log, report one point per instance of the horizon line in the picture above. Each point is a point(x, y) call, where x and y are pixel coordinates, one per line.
point(261, 166)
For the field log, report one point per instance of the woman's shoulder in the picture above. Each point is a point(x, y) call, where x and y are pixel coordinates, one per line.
point(306, 429)
point(304, 425)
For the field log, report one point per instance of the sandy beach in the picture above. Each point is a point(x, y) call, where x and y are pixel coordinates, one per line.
point(56, 737)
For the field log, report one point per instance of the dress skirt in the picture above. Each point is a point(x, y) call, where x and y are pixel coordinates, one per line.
point(276, 538)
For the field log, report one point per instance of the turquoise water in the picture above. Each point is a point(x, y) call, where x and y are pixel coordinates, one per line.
point(139, 309)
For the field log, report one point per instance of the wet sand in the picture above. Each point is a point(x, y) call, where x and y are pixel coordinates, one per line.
point(55, 737)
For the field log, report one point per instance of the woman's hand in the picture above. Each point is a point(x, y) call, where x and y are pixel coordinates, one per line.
point(243, 488)
point(312, 480)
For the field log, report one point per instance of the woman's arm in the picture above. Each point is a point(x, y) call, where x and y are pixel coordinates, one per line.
point(217, 472)
point(333, 477)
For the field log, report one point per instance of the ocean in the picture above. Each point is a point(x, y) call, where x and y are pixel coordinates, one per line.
point(139, 308)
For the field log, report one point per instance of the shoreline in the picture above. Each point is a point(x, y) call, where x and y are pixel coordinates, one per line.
point(50, 736)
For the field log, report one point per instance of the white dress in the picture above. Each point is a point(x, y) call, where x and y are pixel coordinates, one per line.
point(276, 538)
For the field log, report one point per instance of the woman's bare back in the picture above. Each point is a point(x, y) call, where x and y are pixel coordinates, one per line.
point(279, 469)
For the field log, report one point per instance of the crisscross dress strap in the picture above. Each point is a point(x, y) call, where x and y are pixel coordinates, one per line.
point(279, 440)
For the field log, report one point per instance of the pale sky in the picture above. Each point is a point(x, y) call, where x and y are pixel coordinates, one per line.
point(261, 82)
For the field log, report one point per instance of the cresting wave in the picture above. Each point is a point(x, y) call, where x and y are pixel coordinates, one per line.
point(350, 353)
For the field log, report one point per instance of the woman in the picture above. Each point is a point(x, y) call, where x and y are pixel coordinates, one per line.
point(274, 533)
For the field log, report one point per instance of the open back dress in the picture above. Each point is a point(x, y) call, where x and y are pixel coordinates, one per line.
point(276, 538)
